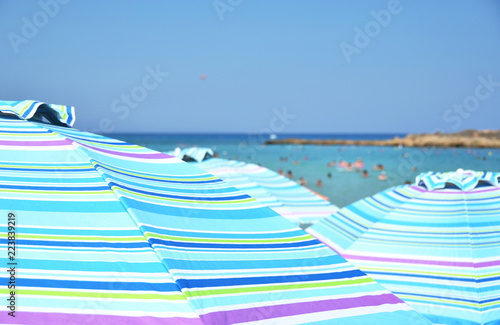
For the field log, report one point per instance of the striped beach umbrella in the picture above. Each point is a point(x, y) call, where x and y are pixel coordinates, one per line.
point(435, 244)
point(291, 200)
point(197, 154)
point(106, 232)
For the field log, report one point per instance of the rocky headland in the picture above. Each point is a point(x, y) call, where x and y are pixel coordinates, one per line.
point(463, 139)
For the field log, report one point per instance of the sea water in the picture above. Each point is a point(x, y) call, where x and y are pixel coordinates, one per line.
point(343, 187)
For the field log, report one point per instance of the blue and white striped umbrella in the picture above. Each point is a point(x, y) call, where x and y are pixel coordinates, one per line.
point(289, 199)
point(435, 244)
point(107, 232)
point(197, 154)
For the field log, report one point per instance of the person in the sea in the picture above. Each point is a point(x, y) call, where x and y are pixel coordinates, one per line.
point(280, 171)
point(378, 167)
point(329, 175)
point(289, 174)
point(319, 183)
point(342, 164)
point(302, 181)
point(331, 164)
point(382, 176)
point(365, 173)
point(359, 164)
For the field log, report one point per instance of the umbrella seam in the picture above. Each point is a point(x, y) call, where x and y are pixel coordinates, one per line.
point(472, 256)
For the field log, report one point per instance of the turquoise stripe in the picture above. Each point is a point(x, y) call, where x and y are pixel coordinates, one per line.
point(71, 265)
point(82, 232)
point(116, 305)
point(61, 206)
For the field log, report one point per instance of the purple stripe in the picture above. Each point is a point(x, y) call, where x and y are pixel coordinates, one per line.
point(64, 142)
point(417, 188)
point(482, 190)
point(23, 317)
point(153, 155)
point(410, 261)
point(486, 264)
point(300, 308)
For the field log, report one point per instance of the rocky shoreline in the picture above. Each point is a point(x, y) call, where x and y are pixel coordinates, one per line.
point(463, 139)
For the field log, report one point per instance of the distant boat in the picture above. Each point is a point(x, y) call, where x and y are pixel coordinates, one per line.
point(273, 136)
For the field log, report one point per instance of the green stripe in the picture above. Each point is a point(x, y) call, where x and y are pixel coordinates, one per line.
point(440, 301)
point(45, 167)
point(223, 240)
point(25, 107)
point(296, 286)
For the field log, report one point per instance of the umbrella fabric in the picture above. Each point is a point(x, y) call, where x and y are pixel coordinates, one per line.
point(27, 109)
point(192, 154)
point(291, 200)
point(109, 232)
point(79, 256)
point(435, 244)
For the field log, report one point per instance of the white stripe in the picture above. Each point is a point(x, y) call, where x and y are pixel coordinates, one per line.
point(105, 293)
point(38, 148)
point(219, 232)
point(153, 277)
point(322, 268)
point(248, 274)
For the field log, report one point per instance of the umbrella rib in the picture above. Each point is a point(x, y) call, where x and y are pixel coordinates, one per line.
point(466, 211)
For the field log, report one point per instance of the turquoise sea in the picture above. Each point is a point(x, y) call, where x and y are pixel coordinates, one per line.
point(310, 162)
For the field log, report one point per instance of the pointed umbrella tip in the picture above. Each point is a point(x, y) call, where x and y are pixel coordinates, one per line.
point(465, 180)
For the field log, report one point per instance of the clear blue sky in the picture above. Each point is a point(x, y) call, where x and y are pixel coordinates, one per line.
point(257, 55)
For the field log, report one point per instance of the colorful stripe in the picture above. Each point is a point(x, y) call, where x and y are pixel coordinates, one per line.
point(435, 244)
point(289, 199)
point(109, 232)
